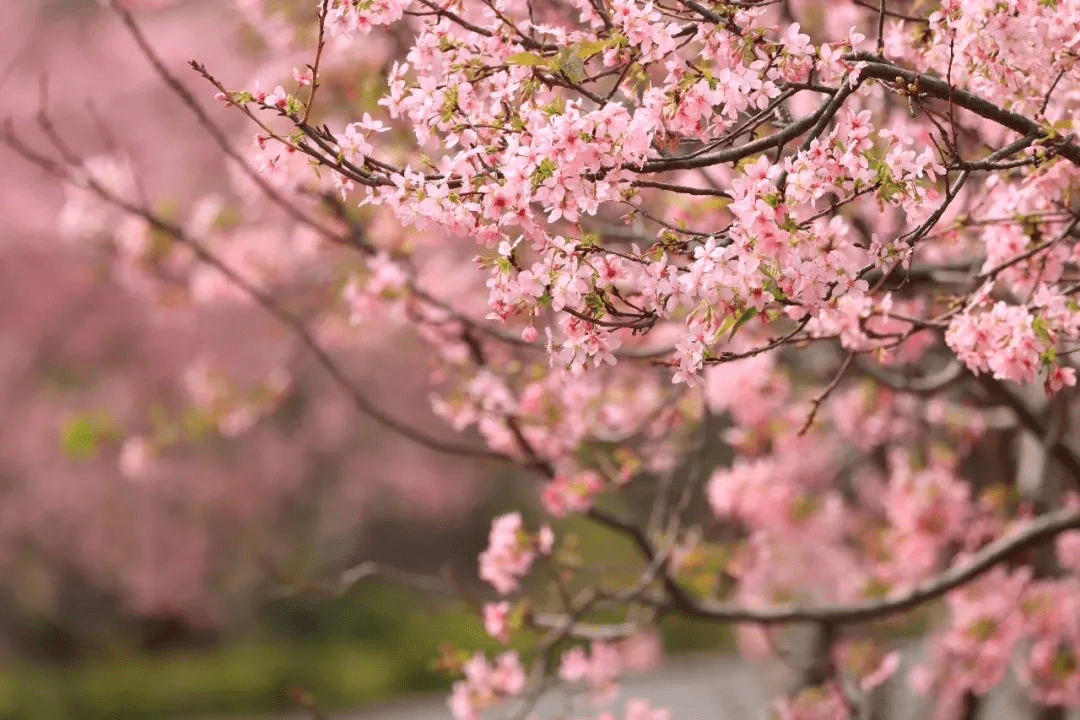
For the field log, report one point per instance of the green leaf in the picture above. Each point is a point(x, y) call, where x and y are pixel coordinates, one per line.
point(773, 289)
point(724, 326)
point(1038, 325)
point(571, 65)
point(516, 618)
point(196, 422)
point(585, 49)
point(748, 314)
point(528, 58)
point(81, 435)
point(596, 304)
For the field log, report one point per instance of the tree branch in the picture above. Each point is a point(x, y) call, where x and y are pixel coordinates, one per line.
point(1061, 452)
point(1037, 531)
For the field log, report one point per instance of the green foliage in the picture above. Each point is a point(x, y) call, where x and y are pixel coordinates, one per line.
point(528, 58)
point(242, 679)
point(82, 434)
point(570, 60)
point(746, 316)
point(371, 645)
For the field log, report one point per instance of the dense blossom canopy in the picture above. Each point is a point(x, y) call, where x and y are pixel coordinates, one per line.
point(764, 287)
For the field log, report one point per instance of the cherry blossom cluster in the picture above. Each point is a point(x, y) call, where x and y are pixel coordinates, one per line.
point(485, 682)
point(511, 551)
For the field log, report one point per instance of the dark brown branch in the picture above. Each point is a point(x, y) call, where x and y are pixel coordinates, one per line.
point(350, 578)
point(790, 132)
point(891, 13)
point(935, 87)
point(681, 189)
point(1061, 452)
point(1035, 532)
point(916, 385)
point(833, 384)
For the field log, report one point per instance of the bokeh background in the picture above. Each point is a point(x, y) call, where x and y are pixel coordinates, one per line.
point(132, 588)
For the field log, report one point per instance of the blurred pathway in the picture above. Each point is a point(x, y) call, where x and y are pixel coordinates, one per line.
point(711, 687)
point(715, 687)
point(697, 688)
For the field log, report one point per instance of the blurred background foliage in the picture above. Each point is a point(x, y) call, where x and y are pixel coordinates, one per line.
point(378, 642)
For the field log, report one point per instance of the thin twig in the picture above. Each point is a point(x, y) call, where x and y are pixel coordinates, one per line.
point(318, 59)
point(833, 384)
